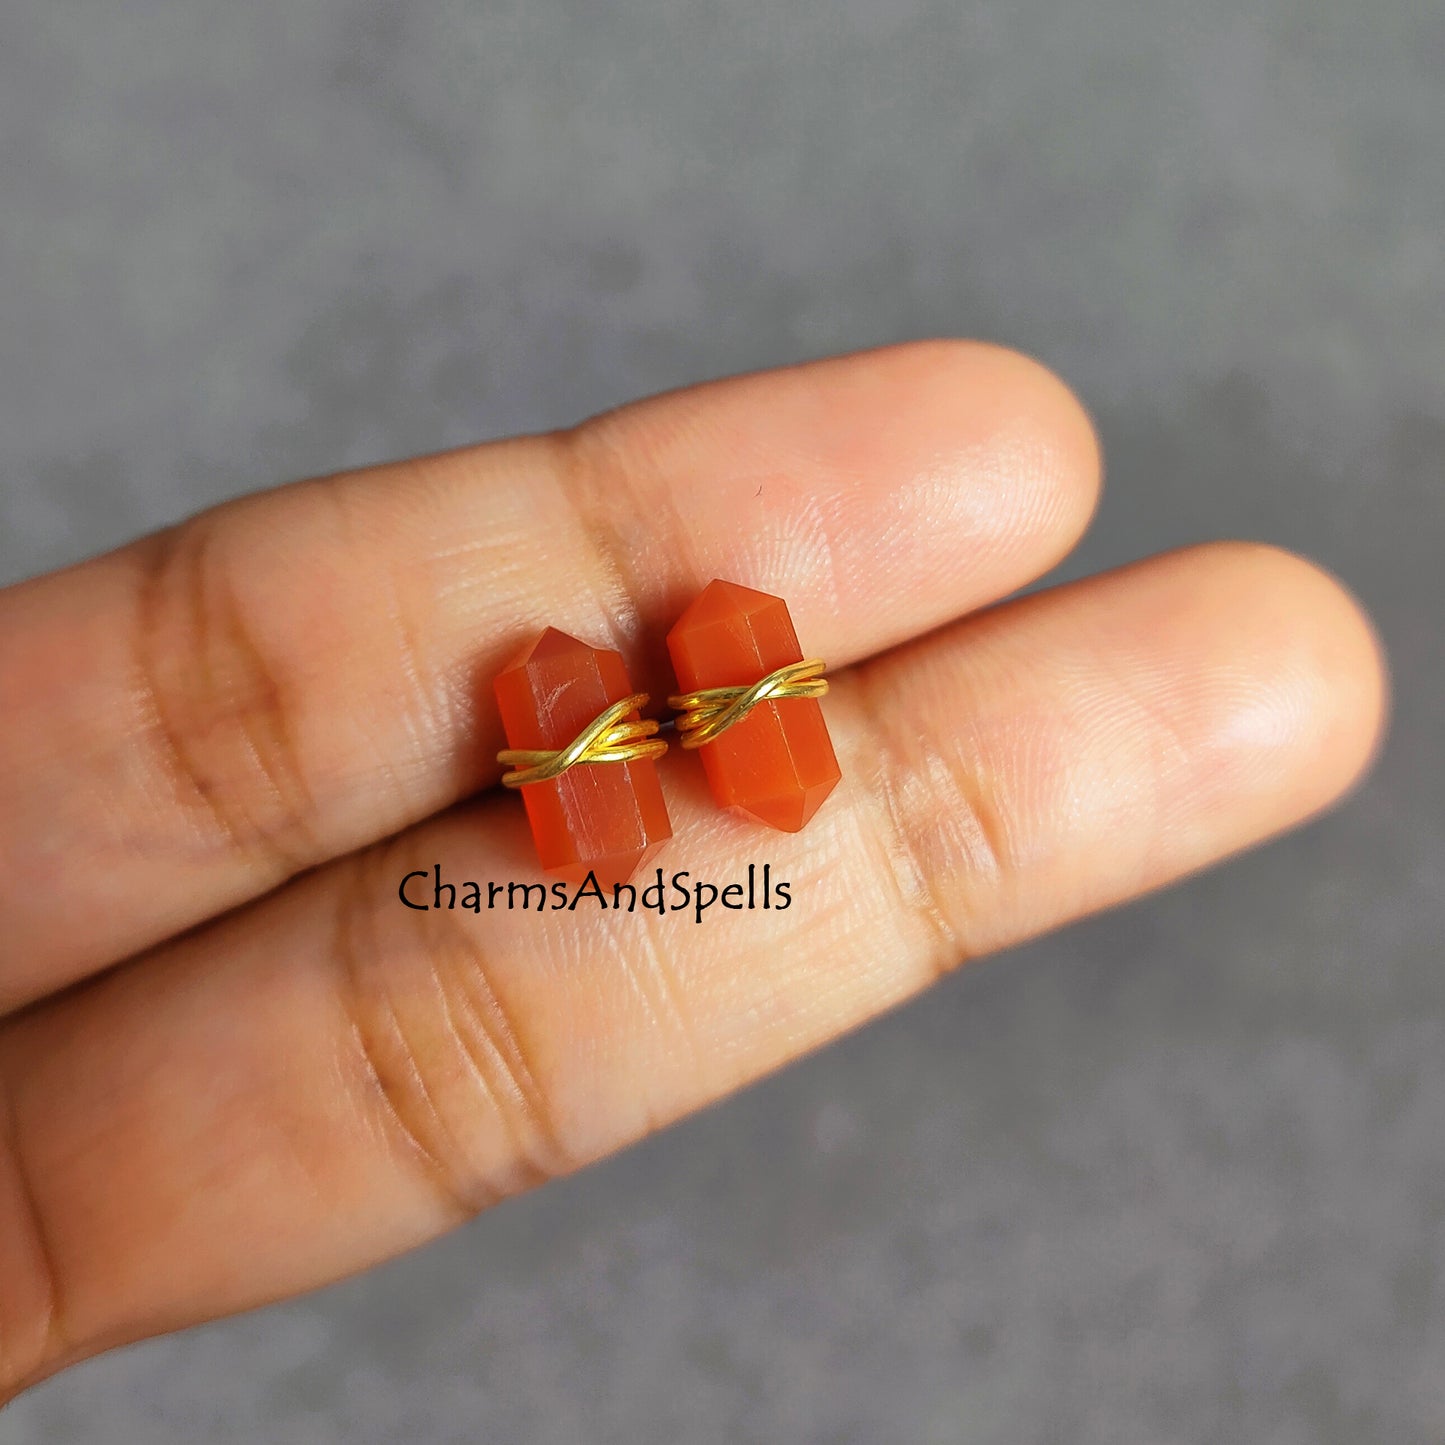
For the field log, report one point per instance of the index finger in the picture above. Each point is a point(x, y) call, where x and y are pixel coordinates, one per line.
point(196, 717)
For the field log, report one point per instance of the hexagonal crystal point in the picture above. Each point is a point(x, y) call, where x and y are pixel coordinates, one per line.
point(603, 818)
point(777, 764)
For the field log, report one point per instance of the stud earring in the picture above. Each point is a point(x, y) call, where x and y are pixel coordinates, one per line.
point(749, 705)
point(582, 757)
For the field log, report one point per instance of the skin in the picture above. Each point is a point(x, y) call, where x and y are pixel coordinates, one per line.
point(233, 1067)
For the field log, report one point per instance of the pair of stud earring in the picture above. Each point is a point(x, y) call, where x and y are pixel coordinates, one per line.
point(582, 755)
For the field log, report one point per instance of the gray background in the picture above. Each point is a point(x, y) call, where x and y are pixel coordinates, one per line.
point(1175, 1175)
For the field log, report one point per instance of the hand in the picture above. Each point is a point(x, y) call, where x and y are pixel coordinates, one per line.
point(233, 1066)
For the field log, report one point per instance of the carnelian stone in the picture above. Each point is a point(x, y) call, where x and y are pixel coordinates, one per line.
point(602, 818)
point(777, 763)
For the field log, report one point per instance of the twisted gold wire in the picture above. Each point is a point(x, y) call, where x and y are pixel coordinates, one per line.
point(606, 739)
point(703, 714)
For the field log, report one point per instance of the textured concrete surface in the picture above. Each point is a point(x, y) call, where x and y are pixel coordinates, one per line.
point(1175, 1175)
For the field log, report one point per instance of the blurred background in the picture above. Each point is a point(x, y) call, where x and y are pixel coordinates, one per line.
point(1175, 1175)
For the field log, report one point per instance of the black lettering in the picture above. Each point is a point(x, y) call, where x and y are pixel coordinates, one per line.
point(631, 896)
point(736, 890)
point(648, 901)
point(590, 888)
point(437, 891)
point(559, 895)
point(492, 890)
point(702, 888)
point(678, 888)
point(527, 895)
point(401, 892)
point(785, 896)
point(472, 896)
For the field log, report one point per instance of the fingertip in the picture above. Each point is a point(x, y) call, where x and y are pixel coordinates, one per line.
point(883, 492)
point(1026, 426)
point(1317, 657)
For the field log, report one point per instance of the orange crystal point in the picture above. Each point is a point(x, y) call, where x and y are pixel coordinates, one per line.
point(603, 818)
point(777, 763)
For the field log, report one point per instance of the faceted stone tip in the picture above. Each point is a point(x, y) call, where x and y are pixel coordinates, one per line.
point(551, 642)
point(721, 601)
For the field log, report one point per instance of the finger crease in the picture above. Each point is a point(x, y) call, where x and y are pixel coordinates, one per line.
point(508, 1077)
point(601, 495)
point(50, 1335)
point(913, 854)
point(369, 1013)
point(217, 707)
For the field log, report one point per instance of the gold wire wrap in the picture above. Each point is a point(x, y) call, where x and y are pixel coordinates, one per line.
point(606, 739)
point(703, 714)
